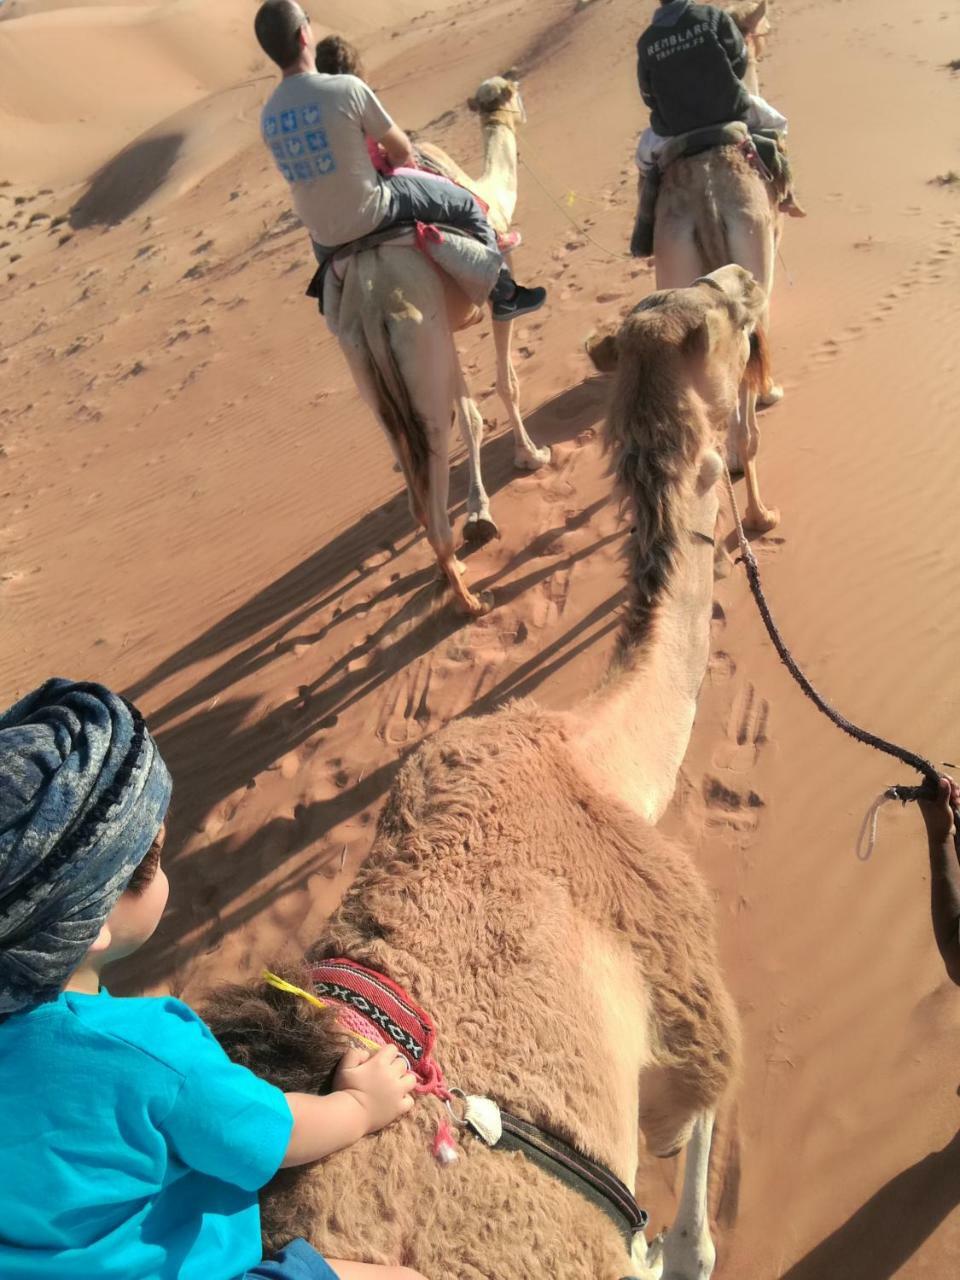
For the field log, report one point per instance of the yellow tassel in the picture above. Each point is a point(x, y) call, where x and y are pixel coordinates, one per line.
point(282, 985)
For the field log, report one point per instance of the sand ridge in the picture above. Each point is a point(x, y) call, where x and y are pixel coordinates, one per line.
point(195, 507)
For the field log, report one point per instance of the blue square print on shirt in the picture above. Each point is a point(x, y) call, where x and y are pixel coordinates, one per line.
point(310, 116)
point(325, 164)
point(288, 121)
point(287, 172)
point(303, 170)
point(317, 140)
point(270, 126)
point(295, 146)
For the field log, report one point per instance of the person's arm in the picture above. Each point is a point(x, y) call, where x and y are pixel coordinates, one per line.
point(369, 1093)
point(643, 80)
point(940, 818)
point(733, 44)
point(398, 147)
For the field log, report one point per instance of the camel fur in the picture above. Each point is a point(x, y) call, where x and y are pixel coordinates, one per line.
point(517, 888)
point(397, 321)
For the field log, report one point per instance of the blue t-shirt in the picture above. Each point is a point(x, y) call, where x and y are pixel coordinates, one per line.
point(130, 1145)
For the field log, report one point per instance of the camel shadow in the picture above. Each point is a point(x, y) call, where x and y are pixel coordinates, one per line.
point(271, 621)
point(216, 752)
point(885, 1232)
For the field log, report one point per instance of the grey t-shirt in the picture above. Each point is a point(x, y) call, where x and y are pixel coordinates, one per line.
point(316, 127)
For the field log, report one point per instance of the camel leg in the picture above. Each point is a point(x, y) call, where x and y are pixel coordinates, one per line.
point(688, 1250)
point(757, 518)
point(480, 525)
point(439, 532)
point(677, 258)
point(526, 455)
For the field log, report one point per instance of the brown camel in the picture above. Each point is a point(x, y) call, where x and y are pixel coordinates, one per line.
point(518, 890)
point(715, 208)
point(397, 321)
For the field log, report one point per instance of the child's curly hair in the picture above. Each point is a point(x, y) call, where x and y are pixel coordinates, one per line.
point(143, 877)
point(338, 57)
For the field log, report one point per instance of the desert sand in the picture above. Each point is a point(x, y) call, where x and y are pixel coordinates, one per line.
point(196, 508)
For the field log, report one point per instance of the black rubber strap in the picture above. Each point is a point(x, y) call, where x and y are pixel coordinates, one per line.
point(589, 1179)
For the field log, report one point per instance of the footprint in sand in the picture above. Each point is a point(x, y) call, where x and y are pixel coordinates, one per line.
point(746, 731)
point(405, 714)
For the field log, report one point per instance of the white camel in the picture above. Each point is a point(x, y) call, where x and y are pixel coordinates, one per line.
point(397, 319)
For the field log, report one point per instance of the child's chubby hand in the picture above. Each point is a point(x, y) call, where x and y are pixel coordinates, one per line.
point(940, 814)
point(382, 1083)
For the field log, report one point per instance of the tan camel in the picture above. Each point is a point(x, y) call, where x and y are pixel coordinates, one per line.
point(518, 890)
point(397, 319)
point(715, 208)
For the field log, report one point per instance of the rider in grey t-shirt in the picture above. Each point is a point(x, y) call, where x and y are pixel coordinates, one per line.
point(316, 127)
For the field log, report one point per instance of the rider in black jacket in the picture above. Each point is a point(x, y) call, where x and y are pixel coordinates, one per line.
point(689, 63)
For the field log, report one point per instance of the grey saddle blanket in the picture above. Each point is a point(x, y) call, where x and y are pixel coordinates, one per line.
point(469, 264)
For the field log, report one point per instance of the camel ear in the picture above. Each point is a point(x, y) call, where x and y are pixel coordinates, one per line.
point(749, 16)
point(604, 351)
point(473, 104)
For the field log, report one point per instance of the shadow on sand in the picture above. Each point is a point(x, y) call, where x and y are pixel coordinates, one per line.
point(126, 182)
point(216, 750)
point(888, 1230)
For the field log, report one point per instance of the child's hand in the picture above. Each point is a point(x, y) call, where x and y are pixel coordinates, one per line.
point(940, 814)
point(382, 1084)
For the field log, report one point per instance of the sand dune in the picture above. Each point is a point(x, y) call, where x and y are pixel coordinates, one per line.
point(196, 508)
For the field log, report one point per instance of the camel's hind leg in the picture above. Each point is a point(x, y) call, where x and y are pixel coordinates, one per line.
point(480, 525)
point(439, 532)
point(526, 455)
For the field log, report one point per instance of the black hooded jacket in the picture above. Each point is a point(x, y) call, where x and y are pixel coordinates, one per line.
point(689, 64)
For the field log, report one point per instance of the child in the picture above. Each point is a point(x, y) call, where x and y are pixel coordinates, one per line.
point(690, 61)
point(130, 1145)
point(317, 126)
point(940, 816)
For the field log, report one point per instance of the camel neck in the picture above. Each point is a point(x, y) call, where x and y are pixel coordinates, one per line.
point(637, 726)
point(497, 185)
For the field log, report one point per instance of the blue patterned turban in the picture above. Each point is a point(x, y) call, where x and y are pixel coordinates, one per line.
point(83, 793)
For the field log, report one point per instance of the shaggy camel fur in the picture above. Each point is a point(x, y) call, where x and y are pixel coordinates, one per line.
point(518, 890)
point(398, 315)
point(715, 208)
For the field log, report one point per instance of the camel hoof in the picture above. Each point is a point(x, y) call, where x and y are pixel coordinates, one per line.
point(532, 461)
point(479, 530)
point(474, 606)
point(773, 395)
point(762, 521)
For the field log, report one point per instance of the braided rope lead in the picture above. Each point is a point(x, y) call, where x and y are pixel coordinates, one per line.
point(931, 775)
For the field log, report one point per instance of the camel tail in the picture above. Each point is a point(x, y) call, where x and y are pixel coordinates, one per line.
point(393, 402)
point(759, 371)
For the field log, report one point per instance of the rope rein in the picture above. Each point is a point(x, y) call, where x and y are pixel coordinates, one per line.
point(617, 257)
point(931, 775)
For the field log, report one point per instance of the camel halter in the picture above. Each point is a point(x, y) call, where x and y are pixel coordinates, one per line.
point(931, 775)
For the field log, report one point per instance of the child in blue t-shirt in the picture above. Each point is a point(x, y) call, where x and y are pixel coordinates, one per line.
point(130, 1145)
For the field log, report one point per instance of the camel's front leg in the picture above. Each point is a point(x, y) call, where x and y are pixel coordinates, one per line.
point(757, 518)
point(526, 455)
point(688, 1250)
point(480, 525)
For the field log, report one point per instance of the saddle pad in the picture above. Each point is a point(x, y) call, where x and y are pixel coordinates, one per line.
point(370, 1005)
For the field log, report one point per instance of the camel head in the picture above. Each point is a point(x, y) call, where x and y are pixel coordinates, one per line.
point(752, 18)
point(498, 100)
point(679, 358)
